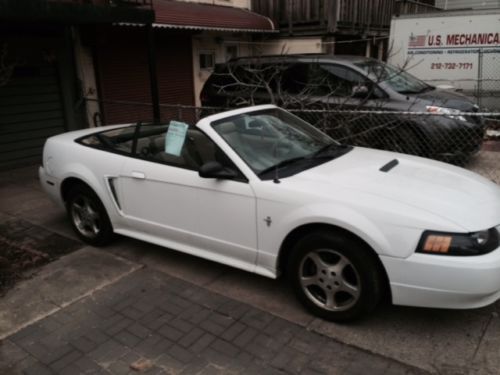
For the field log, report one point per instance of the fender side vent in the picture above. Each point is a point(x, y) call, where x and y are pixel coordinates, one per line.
point(386, 168)
point(111, 182)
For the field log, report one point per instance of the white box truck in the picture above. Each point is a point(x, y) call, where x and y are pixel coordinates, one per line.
point(451, 49)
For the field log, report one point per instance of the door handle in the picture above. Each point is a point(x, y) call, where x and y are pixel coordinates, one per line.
point(138, 175)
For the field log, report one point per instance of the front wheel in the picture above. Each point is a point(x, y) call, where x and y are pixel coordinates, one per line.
point(88, 216)
point(335, 277)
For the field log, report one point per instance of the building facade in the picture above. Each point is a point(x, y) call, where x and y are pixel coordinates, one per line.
point(66, 65)
point(40, 93)
point(355, 27)
point(189, 38)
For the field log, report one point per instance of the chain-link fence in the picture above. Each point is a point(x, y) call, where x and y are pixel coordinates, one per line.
point(465, 139)
point(469, 140)
point(488, 80)
point(476, 74)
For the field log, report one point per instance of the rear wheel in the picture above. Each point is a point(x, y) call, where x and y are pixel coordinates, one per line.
point(335, 277)
point(88, 216)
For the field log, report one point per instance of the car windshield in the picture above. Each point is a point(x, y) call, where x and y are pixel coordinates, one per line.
point(273, 139)
point(397, 79)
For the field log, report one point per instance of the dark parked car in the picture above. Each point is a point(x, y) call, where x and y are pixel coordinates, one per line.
point(333, 83)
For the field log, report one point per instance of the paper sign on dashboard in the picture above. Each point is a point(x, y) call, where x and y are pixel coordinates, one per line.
point(176, 135)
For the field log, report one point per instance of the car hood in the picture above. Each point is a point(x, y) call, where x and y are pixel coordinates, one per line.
point(448, 99)
point(455, 194)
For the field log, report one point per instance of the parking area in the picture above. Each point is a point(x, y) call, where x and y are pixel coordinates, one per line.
point(487, 161)
point(135, 304)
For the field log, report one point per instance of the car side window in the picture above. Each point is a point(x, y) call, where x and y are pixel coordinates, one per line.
point(294, 79)
point(340, 81)
point(223, 78)
point(346, 82)
point(115, 140)
point(232, 78)
point(197, 149)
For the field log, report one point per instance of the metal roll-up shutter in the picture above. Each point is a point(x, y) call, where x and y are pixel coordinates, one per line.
point(123, 72)
point(31, 110)
point(122, 63)
point(175, 73)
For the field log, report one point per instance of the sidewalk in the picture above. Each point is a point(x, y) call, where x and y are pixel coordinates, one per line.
point(164, 325)
point(65, 315)
point(122, 310)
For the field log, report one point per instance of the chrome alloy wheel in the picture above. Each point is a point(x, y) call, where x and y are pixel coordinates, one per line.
point(329, 280)
point(85, 217)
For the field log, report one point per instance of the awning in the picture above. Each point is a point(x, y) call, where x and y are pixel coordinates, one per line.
point(194, 16)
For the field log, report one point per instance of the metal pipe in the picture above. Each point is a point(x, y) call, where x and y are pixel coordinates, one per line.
point(153, 77)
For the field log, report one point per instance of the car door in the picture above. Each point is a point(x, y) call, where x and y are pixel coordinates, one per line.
point(164, 196)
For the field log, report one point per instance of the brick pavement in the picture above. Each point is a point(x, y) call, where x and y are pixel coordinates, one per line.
point(25, 246)
point(23, 233)
point(158, 324)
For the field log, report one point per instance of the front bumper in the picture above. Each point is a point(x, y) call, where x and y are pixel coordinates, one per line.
point(439, 281)
point(452, 140)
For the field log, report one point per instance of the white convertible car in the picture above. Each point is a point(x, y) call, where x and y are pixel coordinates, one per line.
point(261, 190)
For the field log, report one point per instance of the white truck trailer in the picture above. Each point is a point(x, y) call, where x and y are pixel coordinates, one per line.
point(451, 49)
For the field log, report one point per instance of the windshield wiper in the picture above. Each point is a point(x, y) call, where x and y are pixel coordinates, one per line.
point(325, 151)
point(330, 151)
point(425, 89)
point(281, 164)
point(405, 92)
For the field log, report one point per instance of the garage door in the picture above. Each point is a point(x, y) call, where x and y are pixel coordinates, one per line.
point(122, 58)
point(30, 111)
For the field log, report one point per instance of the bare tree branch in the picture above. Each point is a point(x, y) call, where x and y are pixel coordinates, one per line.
point(320, 87)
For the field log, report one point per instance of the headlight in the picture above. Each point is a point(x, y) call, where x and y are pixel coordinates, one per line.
point(450, 112)
point(477, 243)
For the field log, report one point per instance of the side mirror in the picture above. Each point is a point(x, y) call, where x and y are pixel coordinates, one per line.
point(360, 91)
point(214, 169)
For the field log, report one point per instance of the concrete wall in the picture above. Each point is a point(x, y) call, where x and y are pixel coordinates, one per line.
point(247, 4)
point(373, 48)
point(288, 46)
point(464, 4)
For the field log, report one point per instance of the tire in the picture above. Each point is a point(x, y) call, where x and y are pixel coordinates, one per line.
point(88, 216)
point(335, 277)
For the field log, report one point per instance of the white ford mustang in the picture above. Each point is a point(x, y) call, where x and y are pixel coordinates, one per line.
point(261, 190)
